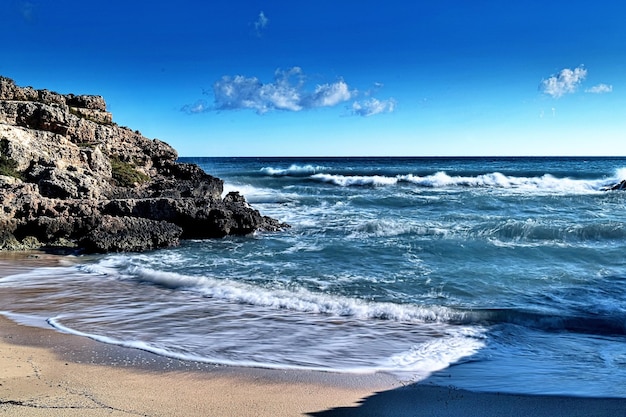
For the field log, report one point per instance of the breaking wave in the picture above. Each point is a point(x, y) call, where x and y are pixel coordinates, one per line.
point(260, 195)
point(294, 170)
point(300, 299)
point(441, 179)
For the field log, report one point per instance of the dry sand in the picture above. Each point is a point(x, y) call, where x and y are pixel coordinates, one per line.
point(47, 373)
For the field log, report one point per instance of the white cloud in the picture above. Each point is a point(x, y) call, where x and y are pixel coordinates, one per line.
point(566, 81)
point(287, 92)
point(238, 92)
point(600, 89)
point(199, 106)
point(373, 106)
point(260, 23)
point(328, 95)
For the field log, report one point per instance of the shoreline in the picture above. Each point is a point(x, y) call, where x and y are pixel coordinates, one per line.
point(46, 372)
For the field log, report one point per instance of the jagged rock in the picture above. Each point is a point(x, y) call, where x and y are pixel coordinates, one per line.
point(70, 176)
point(35, 147)
point(97, 116)
point(9, 91)
point(619, 186)
point(86, 102)
point(183, 181)
point(231, 216)
point(123, 234)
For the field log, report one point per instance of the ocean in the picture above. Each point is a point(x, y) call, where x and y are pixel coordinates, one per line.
point(490, 274)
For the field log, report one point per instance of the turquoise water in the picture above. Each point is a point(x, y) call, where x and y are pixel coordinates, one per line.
point(494, 274)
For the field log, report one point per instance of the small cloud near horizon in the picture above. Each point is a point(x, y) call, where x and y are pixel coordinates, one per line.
point(565, 82)
point(600, 89)
point(287, 92)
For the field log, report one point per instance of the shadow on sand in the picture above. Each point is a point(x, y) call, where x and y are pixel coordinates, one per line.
point(424, 399)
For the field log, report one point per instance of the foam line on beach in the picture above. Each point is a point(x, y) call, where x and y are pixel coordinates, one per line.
point(417, 363)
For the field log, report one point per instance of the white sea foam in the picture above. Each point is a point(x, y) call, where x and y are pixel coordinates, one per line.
point(498, 180)
point(620, 174)
point(546, 183)
point(26, 319)
point(439, 353)
point(37, 274)
point(259, 195)
point(351, 180)
point(300, 299)
point(441, 179)
point(417, 363)
point(294, 170)
point(107, 266)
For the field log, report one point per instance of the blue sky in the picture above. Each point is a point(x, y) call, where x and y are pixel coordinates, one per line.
point(335, 78)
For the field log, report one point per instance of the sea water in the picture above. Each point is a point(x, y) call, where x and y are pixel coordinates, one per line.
point(492, 274)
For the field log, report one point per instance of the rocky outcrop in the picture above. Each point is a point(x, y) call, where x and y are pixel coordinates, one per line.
point(620, 186)
point(69, 176)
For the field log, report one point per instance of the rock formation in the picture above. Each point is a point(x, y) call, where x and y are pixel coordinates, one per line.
point(70, 177)
point(618, 187)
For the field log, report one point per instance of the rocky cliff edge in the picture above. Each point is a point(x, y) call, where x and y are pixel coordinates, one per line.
point(71, 177)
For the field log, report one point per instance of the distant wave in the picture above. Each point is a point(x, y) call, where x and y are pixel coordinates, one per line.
point(354, 180)
point(299, 300)
point(293, 170)
point(441, 179)
point(398, 227)
point(501, 232)
point(530, 230)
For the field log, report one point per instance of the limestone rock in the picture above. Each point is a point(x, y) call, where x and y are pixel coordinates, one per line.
point(86, 102)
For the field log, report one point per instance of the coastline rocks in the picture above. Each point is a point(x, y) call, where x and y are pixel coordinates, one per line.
point(125, 234)
point(618, 187)
point(70, 177)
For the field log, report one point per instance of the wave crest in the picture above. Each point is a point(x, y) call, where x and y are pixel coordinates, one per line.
point(300, 300)
point(293, 170)
point(441, 179)
point(352, 180)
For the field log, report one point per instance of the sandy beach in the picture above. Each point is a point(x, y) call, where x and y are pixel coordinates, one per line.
point(47, 373)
